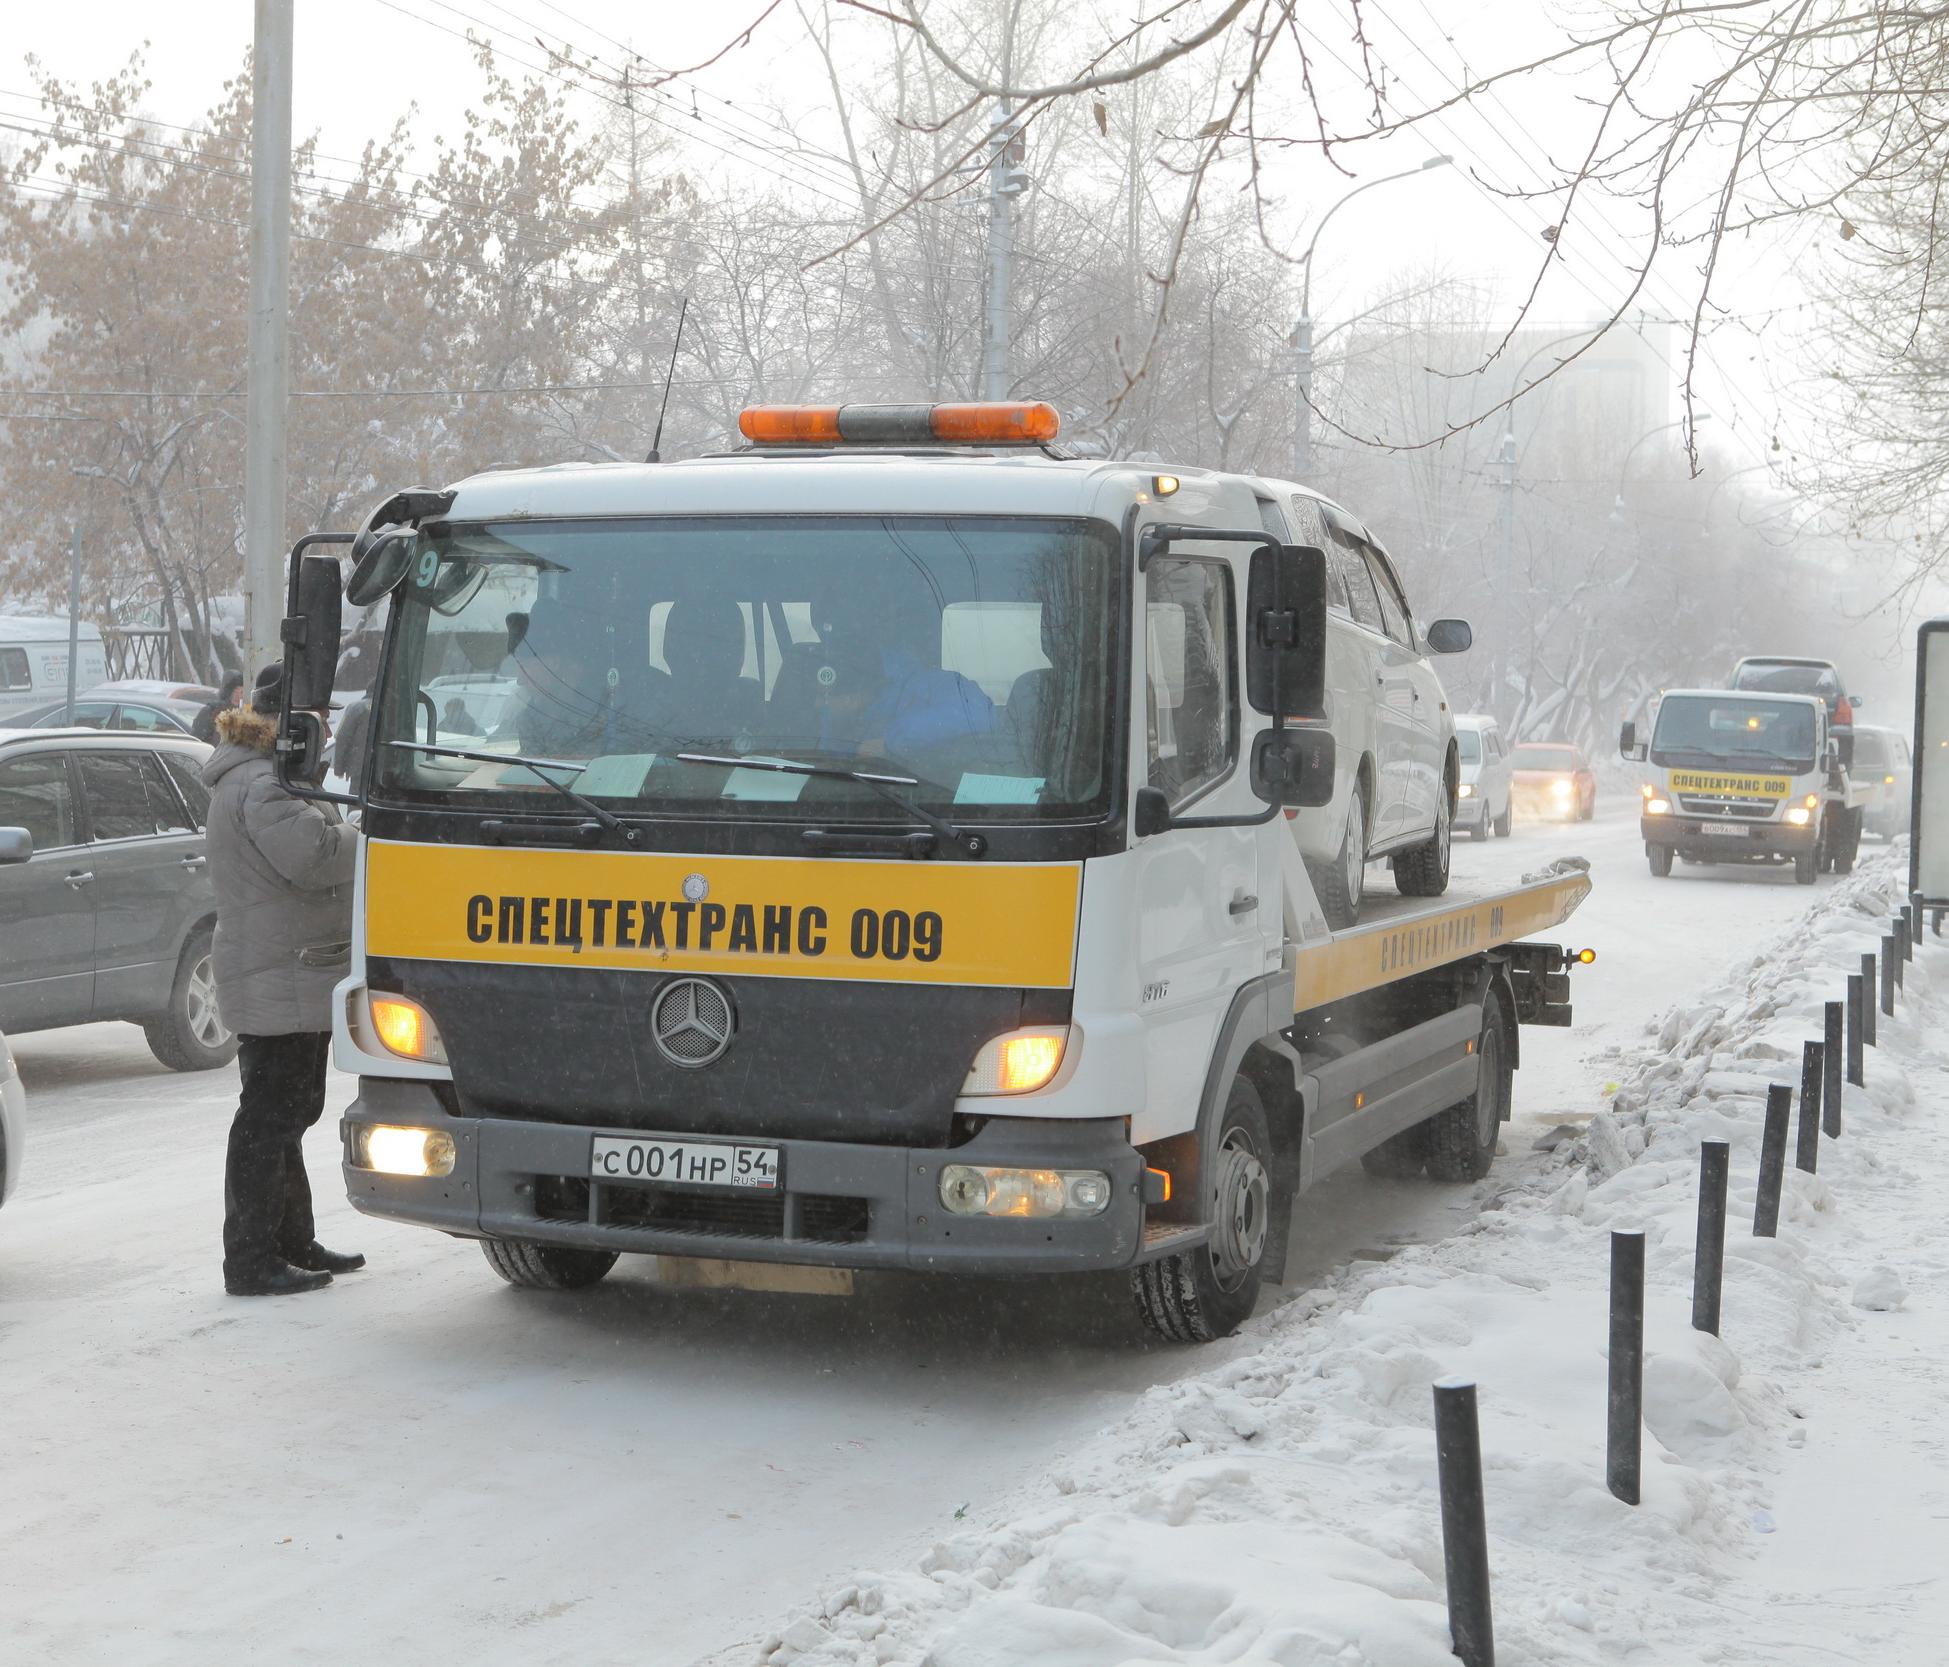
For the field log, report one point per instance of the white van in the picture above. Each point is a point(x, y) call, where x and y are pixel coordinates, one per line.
point(1482, 797)
point(34, 662)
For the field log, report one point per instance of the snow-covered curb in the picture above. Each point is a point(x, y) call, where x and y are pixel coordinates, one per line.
point(1280, 1506)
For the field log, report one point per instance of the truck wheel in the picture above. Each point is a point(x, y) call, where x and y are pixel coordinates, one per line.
point(1806, 864)
point(546, 1267)
point(1660, 857)
point(1203, 1294)
point(1341, 886)
point(1459, 1144)
point(1422, 871)
point(190, 1034)
point(1502, 822)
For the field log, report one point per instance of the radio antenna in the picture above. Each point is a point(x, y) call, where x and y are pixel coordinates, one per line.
point(656, 441)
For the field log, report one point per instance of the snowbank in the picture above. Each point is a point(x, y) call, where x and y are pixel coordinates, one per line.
point(1280, 1506)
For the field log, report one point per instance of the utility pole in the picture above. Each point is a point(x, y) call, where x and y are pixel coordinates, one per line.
point(1505, 571)
point(1303, 396)
point(74, 618)
point(269, 373)
point(1006, 181)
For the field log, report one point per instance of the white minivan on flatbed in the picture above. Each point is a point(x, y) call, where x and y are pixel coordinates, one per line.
point(886, 860)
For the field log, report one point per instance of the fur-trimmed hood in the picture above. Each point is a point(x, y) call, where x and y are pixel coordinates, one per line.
point(243, 737)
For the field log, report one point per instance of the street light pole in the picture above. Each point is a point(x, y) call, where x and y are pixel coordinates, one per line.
point(1302, 336)
point(268, 376)
point(1006, 182)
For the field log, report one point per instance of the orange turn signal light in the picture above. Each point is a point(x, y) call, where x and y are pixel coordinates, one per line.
point(790, 425)
point(1164, 1180)
point(1027, 1062)
point(1586, 956)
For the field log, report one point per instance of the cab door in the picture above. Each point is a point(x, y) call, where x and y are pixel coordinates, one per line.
point(1201, 925)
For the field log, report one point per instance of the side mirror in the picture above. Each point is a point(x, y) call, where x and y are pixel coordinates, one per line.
point(301, 749)
point(1151, 813)
point(1449, 636)
point(1627, 738)
point(378, 568)
point(16, 845)
point(1285, 613)
point(311, 634)
point(1294, 767)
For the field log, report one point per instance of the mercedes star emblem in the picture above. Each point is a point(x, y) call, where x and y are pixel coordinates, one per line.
point(691, 1022)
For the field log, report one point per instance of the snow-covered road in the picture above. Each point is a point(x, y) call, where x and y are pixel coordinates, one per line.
point(421, 1463)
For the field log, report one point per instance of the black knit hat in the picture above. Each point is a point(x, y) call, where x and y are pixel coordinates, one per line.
point(269, 691)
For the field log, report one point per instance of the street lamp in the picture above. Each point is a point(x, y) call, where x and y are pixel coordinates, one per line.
point(1303, 329)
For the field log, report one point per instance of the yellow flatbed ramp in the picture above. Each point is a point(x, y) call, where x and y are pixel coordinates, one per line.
point(1413, 936)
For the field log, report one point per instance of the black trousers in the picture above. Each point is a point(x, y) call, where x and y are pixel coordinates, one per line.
point(266, 1197)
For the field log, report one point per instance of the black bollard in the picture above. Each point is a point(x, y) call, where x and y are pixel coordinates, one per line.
point(1773, 1161)
point(1868, 999)
point(1830, 1077)
point(1709, 1258)
point(1464, 1534)
point(1806, 1153)
point(1857, 1001)
point(1901, 948)
point(1625, 1426)
point(1914, 910)
point(1888, 960)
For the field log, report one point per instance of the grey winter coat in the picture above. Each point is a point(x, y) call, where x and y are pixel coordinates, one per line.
point(282, 869)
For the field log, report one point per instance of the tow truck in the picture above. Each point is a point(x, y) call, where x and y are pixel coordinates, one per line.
point(1741, 775)
point(880, 858)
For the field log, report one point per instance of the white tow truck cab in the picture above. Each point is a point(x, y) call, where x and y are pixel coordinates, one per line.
point(1739, 775)
point(885, 859)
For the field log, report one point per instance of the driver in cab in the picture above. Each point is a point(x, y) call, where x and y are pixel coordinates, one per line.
point(881, 688)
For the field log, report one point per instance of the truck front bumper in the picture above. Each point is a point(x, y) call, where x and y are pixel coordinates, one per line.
point(1692, 836)
point(844, 1206)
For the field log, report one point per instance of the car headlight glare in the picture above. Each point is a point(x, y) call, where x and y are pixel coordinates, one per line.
point(388, 1149)
point(1039, 1194)
point(1018, 1063)
point(1799, 816)
point(405, 1028)
point(1562, 789)
point(1465, 791)
point(1657, 807)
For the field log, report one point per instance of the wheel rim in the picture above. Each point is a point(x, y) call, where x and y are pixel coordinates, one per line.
point(200, 1003)
point(1354, 857)
point(1488, 1092)
point(1238, 1230)
point(1441, 843)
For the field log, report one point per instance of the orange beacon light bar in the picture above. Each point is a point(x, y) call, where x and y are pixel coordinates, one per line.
point(987, 423)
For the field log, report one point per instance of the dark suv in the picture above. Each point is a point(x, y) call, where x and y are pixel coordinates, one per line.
point(111, 916)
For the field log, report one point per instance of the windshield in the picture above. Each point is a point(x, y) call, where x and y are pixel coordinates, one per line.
point(1468, 746)
point(1869, 752)
point(1697, 730)
point(1531, 756)
point(969, 653)
point(1790, 680)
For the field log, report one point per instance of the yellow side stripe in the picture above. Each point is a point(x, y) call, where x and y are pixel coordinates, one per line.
point(1367, 957)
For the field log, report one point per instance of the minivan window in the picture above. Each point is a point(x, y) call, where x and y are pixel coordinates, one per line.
point(1359, 583)
point(1394, 619)
point(35, 795)
point(1869, 752)
point(1468, 746)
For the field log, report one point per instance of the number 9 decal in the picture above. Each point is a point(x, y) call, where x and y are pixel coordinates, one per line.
point(429, 564)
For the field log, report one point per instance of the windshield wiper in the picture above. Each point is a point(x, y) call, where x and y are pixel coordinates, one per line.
point(614, 823)
point(887, 786)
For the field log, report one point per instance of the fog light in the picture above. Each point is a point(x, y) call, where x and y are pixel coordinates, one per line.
point(1799, 817)
point(982, 1190)
point(387, 1149)
point(1657, 807)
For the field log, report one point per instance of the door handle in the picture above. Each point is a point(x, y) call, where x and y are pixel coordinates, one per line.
point(1242, 903)
point(80, 877)
point(196, 862)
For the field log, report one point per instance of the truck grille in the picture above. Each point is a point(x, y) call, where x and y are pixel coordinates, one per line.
point(1748, 810)
point(713, 1214)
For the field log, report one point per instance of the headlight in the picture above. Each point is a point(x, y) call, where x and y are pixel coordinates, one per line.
point(1017, 1063)
point(405, 1028)
point(1799, 817)
point(387, 1149)
point(1562, 789)
point(1465, 791)
point(1657, 807)
point(979, 1190)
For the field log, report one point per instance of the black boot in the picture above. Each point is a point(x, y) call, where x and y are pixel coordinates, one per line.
point(315, 1258)
point(276, 1279)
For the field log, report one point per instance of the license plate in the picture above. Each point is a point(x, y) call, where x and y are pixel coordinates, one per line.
point(684, 1163)
point(1722, 830)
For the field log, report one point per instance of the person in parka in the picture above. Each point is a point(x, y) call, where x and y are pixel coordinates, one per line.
point(282, 870)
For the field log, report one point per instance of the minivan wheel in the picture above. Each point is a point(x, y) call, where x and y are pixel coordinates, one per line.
point(1502, 822)
point(1423, 870)
point(1341, 886)
point(191, 1035)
